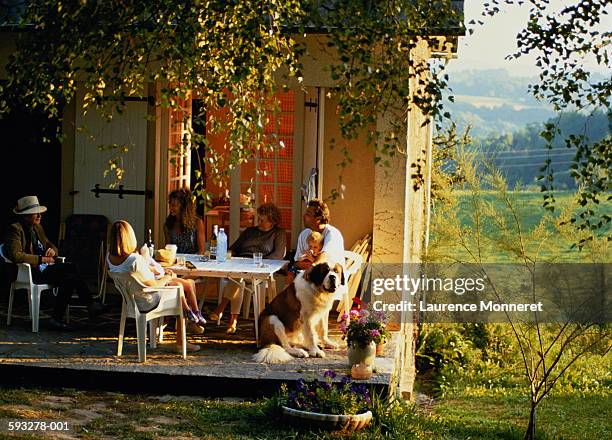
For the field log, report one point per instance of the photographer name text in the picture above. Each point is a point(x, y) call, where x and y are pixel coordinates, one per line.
point(482, 306)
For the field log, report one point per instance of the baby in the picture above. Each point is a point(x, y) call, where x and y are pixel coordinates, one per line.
point(315, 245)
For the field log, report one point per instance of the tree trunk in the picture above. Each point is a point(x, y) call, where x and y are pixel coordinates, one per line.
point(531, 428)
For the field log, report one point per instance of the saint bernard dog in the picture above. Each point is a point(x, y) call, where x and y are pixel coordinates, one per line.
point(289, 326)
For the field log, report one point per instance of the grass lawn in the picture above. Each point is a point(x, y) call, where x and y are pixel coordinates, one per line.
point(484, 414)
point(474, 413)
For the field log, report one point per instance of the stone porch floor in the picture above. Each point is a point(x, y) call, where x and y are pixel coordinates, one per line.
point(87, 358)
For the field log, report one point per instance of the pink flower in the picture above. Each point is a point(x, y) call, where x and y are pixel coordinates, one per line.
point(344, 317)
point(374, 333)
point(363, 320)
point(379, 316)
point(354, 313)
point(343, 327)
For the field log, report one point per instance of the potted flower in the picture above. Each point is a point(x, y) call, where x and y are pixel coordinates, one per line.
point(327, 404)
point(363, 331)
point(379, 322)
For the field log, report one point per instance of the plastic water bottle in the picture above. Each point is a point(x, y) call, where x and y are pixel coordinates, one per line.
point(221, 245)
point(150, 245)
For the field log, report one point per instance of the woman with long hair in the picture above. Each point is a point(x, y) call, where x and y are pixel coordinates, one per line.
point(183, 227)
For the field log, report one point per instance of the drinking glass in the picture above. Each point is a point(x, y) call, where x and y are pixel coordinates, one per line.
point(258, 259)
point(180, 261)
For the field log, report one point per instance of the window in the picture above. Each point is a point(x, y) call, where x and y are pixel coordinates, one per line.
point(269, 176)
point(179, 155)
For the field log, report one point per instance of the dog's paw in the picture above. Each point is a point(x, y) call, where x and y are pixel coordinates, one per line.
point(316, 352)
point(330, 345)
point(297, 352)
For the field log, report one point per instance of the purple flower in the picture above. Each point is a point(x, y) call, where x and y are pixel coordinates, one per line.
point(330, 373)
point(359, 388)
point(301, 385)
point(379, 316)
point(354, 313)
point(345, 380)
point(344, 317)
point(343, 327)
point(374, 333)
point(363, 320)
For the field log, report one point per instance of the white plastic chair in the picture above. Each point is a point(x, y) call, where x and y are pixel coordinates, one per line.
point(353, 262)
point(169, 305)
point(24, 281)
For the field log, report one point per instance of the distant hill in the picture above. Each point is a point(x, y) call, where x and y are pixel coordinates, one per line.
point(506, 122)
point(493, 102)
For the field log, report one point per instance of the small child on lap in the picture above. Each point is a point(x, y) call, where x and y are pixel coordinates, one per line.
point(315, 244)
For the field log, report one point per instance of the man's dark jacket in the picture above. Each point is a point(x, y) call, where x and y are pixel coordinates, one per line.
point(18, 245)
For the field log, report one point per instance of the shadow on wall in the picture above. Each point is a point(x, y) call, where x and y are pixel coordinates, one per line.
point(29, 167)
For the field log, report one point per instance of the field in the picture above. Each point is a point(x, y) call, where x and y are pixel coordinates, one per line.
point(556, 247)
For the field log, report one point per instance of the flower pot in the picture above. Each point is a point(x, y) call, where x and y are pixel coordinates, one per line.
point(331, 422)
point(362, 355)
point(380, 349)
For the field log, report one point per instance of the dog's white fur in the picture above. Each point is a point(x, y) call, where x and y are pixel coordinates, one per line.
point(315, 306)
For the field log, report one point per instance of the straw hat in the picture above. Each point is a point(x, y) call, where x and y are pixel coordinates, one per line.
point(29, 205)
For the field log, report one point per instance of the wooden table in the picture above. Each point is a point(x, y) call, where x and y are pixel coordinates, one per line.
point(237, 270)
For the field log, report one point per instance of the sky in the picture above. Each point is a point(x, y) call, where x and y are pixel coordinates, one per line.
point(490, 43)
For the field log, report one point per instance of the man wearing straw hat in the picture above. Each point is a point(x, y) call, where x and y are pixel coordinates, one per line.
point(26, 242)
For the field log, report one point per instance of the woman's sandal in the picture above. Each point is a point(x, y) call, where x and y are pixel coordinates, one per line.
point(192, 316)
point(232, 329)
point(213, 316)
point(201, 319)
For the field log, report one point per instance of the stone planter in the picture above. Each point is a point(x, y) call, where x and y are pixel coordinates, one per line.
point(362, 355)
point(330, 422)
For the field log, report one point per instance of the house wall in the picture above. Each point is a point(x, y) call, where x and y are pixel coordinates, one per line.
point(314, 63)
point(352, 214)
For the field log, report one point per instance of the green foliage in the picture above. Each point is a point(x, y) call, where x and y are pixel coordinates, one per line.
point(459, 355)
point(326, 397)
point(564, 43)
point(376, 44)
point(232, 56)
point(493, 232)
point(227, 54)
